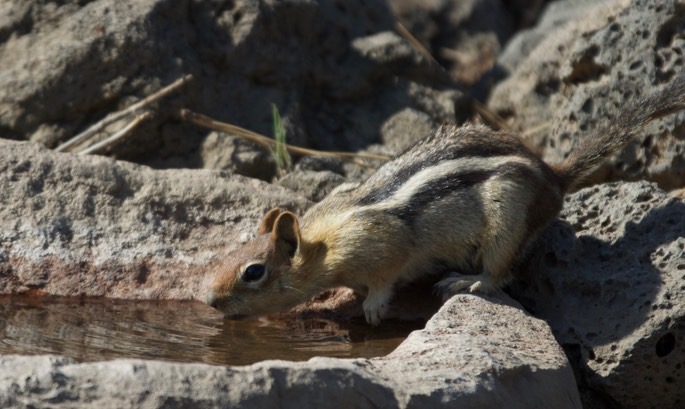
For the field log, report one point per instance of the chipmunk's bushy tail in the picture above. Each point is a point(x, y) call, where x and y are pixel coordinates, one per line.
point(598, 147)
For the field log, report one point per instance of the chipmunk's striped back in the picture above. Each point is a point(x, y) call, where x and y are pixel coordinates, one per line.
point(452, 160)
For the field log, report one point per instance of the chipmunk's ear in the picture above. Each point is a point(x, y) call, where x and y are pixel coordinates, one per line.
point(286, 233)
point(268, 221)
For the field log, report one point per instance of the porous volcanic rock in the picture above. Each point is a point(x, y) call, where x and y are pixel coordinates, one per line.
point(463, 358)
point(595, 59)
point(613, 293)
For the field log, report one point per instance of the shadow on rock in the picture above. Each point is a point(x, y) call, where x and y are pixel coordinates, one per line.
point(613, 295)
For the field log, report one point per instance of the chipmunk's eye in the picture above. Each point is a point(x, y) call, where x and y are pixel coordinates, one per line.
point(254, 272)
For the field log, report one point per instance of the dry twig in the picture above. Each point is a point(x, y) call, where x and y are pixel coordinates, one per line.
point(536, 129)
point(118, 135)
point(207, 122)
point(99, 126)
point(486, 114)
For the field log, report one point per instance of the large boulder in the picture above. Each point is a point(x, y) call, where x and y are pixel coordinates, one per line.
point(92, 226)
point(613, 293)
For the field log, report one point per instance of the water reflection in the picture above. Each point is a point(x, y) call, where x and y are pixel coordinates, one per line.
point(93, 330)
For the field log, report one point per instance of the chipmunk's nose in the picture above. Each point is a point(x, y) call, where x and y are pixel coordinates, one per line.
point(211, 299)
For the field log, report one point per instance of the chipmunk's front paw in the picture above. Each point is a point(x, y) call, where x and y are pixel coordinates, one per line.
point(373, 316)
point(457, 283)
point(375, 306)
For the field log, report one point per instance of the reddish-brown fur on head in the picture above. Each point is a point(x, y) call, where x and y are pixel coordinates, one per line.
point(240, 289)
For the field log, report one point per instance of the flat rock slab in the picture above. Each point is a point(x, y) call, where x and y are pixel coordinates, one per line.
point(474, 353)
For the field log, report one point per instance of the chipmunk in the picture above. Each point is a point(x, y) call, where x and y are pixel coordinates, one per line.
point(464, 198)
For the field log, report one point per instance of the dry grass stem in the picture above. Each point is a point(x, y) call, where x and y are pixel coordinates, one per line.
point(536, 129)
point(490, 117)
point(486, 114)
point(207, 122)
point(99, 126)
point(118, 135)
point(414, 42)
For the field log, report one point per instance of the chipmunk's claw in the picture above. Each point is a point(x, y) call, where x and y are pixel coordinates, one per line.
point(373, 317)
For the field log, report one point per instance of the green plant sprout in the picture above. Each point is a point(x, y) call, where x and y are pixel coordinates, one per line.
point(280, 151)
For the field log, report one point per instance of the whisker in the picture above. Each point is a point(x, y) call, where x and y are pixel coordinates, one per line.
point(294, 289)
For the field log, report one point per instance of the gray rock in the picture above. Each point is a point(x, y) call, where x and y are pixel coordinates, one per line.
point(335, 70)
point(320, 163)
point(556, 15)
point(463, 358)
point(312, 185)
point(88, 225)
point(405, 128)
point(225, 152)
point(529, 96)
point(465, 36)
point(601, 57)
point(614, 295)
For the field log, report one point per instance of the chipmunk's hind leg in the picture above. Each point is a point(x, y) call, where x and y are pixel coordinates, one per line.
point(495, 261)
point(502, 241)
